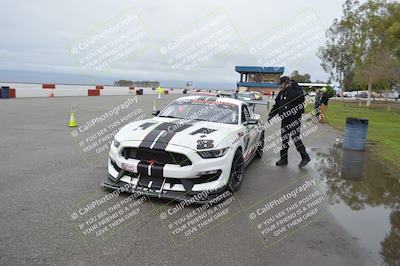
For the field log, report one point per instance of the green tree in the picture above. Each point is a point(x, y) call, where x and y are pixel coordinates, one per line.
point(300, 78)
point(330, 91)
point(123, 83)
point(364, 46)
point(373, 48)
point(336, 55)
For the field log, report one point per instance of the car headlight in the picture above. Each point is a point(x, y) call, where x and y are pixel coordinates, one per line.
point(116, 143)
point(213, 153)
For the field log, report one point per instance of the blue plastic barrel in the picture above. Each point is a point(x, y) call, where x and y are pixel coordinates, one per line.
point(355, 133)
point(352, 165)
point(5, 92)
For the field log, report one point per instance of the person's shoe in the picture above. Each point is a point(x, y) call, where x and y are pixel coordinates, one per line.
point(305, 159)
point(281, 162)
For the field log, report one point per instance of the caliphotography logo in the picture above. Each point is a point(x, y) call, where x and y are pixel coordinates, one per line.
point(289, 42)
point(121, 37)
point(200, 132)
point(200, 42)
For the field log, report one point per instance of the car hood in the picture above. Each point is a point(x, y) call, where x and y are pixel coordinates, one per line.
point(159, 132)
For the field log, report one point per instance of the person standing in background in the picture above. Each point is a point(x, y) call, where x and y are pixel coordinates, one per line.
point(324, 105)
point(317, 103)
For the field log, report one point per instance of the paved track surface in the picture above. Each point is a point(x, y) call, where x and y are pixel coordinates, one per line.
point(43, 176)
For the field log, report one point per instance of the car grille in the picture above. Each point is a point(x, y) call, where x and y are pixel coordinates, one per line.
point(159, 155)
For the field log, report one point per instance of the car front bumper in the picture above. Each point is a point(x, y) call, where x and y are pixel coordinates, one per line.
point(190, 197)
point(208, 176)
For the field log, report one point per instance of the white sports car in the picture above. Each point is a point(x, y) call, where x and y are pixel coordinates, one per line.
point(197, 145)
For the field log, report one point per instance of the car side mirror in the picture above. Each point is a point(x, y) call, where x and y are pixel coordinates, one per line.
point(252, 121)
point(156, 112)
point(256, 116)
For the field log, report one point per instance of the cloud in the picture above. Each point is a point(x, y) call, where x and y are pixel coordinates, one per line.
point(39, 35)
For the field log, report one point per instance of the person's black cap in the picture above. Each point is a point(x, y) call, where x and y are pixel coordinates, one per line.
point(283, 80)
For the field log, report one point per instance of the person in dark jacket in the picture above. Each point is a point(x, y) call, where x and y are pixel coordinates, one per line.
point(323, 105)
point(289, 105)
point(317, 103)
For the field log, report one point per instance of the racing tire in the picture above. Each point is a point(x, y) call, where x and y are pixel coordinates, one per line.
point(260, 146)
point(237, 171)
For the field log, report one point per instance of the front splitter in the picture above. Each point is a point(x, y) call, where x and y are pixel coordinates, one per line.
point(193, 197)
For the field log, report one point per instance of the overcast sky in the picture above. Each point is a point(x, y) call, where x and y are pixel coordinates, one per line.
point(171, 41)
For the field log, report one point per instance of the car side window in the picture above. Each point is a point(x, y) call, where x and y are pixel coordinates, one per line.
point(245, 114)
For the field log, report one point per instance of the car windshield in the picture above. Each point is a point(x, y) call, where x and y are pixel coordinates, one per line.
point(211, 111)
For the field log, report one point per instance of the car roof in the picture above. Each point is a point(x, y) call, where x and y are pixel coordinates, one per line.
point(212, 98)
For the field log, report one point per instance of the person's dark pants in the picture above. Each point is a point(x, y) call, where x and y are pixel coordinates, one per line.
point(290, 128)
point(316, 110)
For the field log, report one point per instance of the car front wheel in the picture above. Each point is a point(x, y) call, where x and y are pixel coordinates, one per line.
point(237, 170)
point(260, 146)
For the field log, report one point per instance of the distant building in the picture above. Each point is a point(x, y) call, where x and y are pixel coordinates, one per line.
point(261, 79)
point(313, 86)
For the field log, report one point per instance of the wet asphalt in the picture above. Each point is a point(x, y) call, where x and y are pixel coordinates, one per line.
point(43, 175)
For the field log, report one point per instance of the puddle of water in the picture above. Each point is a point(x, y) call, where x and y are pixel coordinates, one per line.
point(364, 198)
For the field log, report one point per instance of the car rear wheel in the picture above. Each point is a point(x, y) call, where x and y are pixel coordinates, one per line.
point(237, 170)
